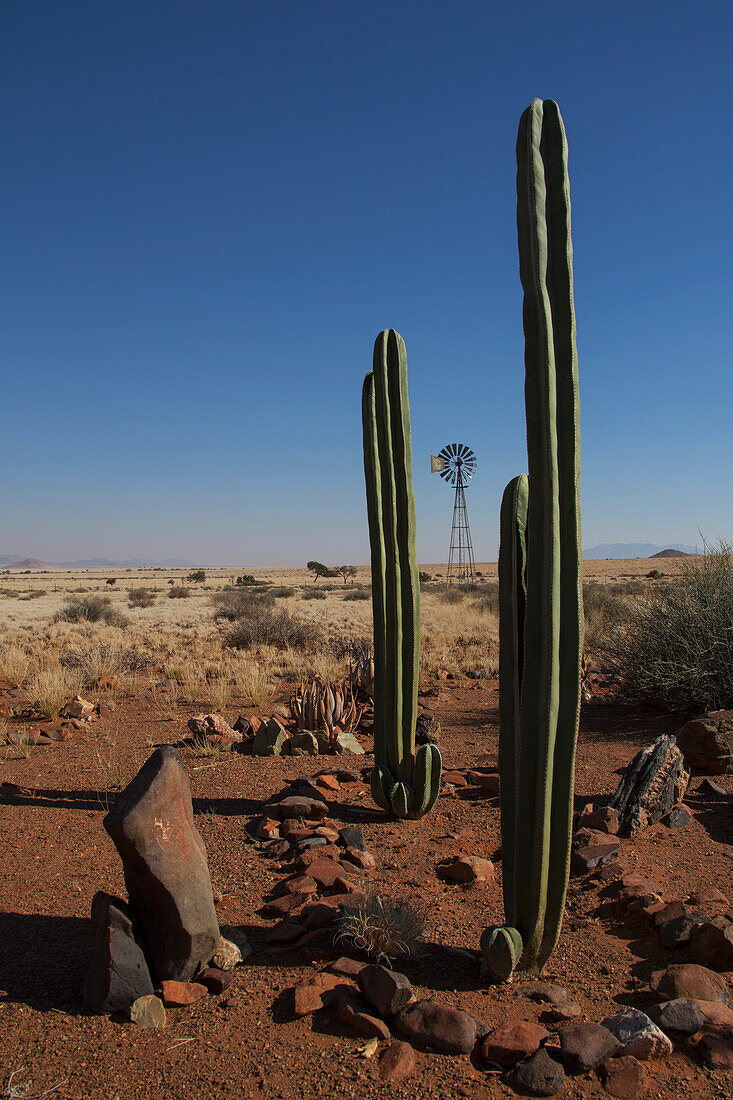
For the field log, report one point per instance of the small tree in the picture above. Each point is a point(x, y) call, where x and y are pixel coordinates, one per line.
point(345, 571)
point(197, 576)
point(111, 580)
point(320, 570)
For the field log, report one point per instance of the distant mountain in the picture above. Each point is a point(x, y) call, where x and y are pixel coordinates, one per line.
point(14, 561)
point(671, 554)
point(28, 563)
point(631, 550)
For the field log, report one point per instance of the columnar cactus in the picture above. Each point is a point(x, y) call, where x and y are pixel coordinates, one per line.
point(401, 781)
point(540, 564)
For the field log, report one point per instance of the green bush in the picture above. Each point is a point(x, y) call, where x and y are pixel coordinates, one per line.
point(676, 645)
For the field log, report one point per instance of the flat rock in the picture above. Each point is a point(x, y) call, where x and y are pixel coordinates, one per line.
point(586, 1046)
point(297, 805)
point(286, 903)
point(623, 1077)
point(638, 1035)
point(350, 1014)
point(386, 990)
point(692, 981)
point(590, 856)
point(164, 861)
point(446, 1029)
point(365, 861)
point(348, 967)
point(180, 994)
point(397, 1062)
point(148, 1011)
point(544, 993)
point(296, 884)
point(540, 1075)
point(325, 872)
point(118, 973)
point(711, 943)
point(680, 1017)
point(709, 786)
point(347, 744)
point(512, 1042)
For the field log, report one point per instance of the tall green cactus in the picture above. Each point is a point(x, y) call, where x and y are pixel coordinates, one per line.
point(540, 562)
point(401, 781)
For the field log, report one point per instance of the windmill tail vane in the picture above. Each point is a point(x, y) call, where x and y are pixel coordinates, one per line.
point(456, 464)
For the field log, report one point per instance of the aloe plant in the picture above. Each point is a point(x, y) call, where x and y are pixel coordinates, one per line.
point(540, 569)
point(403, 781)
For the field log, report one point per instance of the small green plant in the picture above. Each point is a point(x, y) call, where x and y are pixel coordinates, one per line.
point(141, 597)
point(111, 581)
point(382, 928)
point(201, 746)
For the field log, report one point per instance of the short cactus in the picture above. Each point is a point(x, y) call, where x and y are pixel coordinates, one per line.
point(540, 564)
point(405, 782)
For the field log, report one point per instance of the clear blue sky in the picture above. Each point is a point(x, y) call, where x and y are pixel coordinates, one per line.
point(212, 208)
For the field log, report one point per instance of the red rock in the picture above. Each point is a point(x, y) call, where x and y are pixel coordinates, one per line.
point(325, 871)
point(108, 683)
point(293, 825)
point(216, 981)
point(709, 896)
point(623, 1077)
point(297, 884)
point(327, 782)
point(466, 869)
point(331, 835)
point(604, 819)
point(386, 990)
point(330, 853)
point(349, 968)
point(365, 861)
point(371, 1027)
point(397, 1062)
point(716, 1048)
point(456, 779)
point(691, 981)
point(316, 991)
point(301, 806)
point(512, 1042)
point(446, 1029)
point(586, 1046)
point(671, 911)
point(179, 994)
point(164, 860)
point(287, 903)
point(715, 1013)
point(268, 829)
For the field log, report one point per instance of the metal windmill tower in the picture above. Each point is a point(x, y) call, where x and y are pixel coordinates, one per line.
point(456, 464)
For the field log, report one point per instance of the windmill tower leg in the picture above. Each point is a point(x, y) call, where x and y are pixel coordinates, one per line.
point(461, 566)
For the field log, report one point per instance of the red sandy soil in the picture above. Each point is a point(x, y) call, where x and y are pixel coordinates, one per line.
point(54, 855)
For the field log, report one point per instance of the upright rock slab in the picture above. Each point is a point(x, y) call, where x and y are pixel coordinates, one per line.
point(166, 874)
point(118, 973)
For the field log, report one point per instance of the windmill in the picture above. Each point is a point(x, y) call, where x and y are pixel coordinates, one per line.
point(456, 464)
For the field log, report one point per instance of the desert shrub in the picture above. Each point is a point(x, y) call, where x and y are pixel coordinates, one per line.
point(265, 625)
point(487, 599)
point(676, 645)
point(358, 594)
point(382, 928)
point(233, 603)
point(424, 577)
point(91, 609)
point(50, 688)
point(313, 594)
point(178, 592)
point(350, 649)
point(140, 597)
point(654, 574)
point(606, 607)
point(15, 664)
point(281, 592)
point(33, 594)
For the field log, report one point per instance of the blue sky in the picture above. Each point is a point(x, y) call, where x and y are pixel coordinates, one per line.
point(211, 209)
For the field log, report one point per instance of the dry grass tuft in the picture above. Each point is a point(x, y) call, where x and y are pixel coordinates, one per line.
point(384, 929)
point(15, 664)
point(50, 688)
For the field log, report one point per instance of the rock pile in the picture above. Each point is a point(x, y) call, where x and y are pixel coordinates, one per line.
point(167, 934)
point(77, 715)
point(270, 737)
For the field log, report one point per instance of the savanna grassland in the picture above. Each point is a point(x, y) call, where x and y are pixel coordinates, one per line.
point(154, 649)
